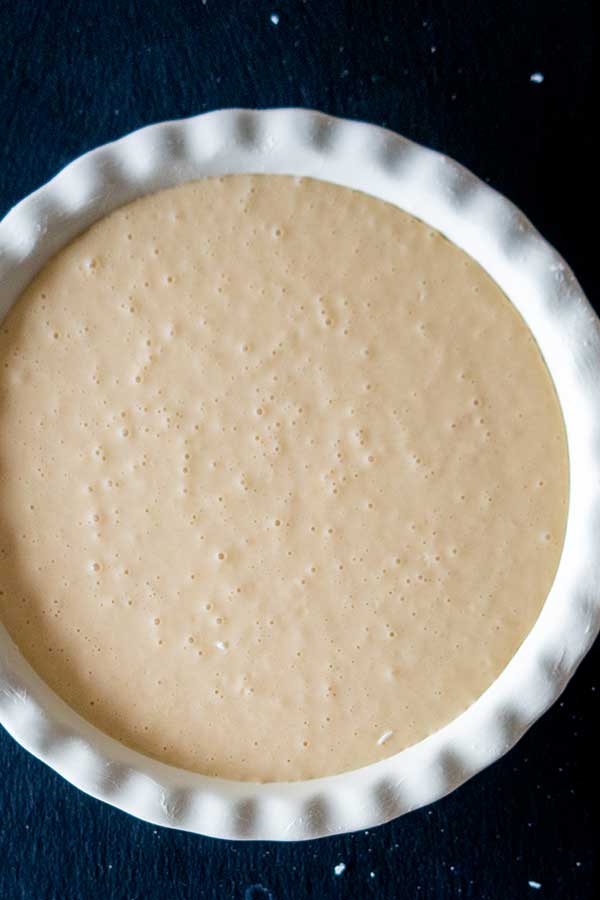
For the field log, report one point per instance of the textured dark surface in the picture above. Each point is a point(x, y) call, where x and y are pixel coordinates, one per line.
point(451, 74)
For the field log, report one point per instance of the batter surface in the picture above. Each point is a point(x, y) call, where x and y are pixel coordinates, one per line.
point(283, 477)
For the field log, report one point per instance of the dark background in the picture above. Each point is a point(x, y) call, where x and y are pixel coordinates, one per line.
point(454, 75)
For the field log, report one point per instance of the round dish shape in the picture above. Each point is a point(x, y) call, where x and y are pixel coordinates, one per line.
point(544, 290)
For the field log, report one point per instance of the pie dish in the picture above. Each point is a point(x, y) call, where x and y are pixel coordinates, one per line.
point(485, 225)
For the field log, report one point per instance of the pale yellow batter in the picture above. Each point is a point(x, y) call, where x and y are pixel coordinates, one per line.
point(283, 477)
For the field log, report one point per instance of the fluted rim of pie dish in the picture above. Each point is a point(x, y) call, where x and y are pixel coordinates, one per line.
point(445, 195)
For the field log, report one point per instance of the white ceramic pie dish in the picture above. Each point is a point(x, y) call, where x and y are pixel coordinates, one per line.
point(489, 228)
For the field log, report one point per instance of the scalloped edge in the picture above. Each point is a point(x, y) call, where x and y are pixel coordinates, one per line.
point(543, 288)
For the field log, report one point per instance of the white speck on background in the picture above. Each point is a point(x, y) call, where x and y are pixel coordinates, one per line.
point(384, 737)
point(433, 49)
point(340, 868)
point(274, 18)
point(220, 645)
point(534, 884)
point(372, 874)
point(537, 77)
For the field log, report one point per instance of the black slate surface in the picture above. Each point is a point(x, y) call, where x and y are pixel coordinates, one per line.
point(454, 75)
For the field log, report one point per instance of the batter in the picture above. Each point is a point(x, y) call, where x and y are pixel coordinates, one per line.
point(283, 478)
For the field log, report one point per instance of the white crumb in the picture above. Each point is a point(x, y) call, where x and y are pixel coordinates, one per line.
point(275, 19)
point(340, 868)
point(384, 737)
point(534, 884)
point(537, 77)
point(221, 645)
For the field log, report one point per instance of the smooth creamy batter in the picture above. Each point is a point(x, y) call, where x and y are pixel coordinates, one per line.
point(283, 477)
